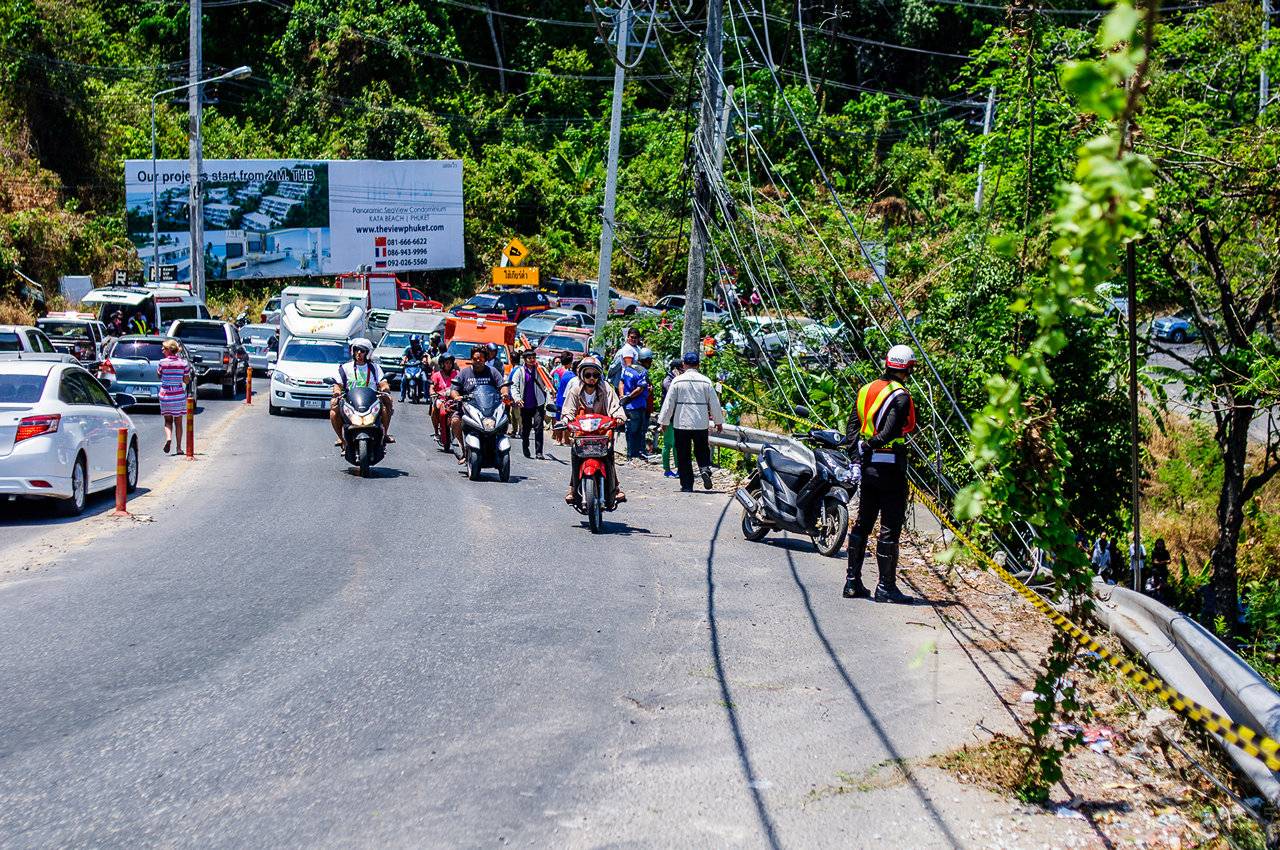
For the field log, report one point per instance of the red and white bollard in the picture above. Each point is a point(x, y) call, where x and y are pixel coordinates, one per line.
point(191, 428)
point(122, 472)
point(248, 386)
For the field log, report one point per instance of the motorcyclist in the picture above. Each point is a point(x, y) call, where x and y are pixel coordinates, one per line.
point(360, 371)
point(479, 373)
point(441, 384)
point(414, 352)
point(589, 393)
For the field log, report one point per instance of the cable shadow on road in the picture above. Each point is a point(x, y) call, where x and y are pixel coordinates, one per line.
point(726, 695)
point(876, 726)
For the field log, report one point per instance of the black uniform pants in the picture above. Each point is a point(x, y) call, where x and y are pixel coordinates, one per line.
point(691, 443)
point(884, 494)
point(531, 420)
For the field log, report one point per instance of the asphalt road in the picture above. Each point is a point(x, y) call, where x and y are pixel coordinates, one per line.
point(23, 521)
point(287, 655)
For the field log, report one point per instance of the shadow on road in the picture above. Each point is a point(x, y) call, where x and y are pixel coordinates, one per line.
point(854, 691)
point(379, 472)
point(42, 512)
point(726, 696)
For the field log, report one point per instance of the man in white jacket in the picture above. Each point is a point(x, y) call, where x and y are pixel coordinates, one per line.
point(690, 407)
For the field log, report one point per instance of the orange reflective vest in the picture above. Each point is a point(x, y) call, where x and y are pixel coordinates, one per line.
point(872, 399)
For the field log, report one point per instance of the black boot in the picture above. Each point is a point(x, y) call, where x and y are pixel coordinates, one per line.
point(887, 561)
point(853, 586)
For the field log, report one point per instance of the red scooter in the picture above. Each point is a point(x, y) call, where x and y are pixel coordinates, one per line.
point(441, 410)
point(591, 435)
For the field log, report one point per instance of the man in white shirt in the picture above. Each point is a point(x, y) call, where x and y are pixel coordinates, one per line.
point(691, 406)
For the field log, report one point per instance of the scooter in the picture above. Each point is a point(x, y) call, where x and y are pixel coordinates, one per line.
point(441, 410)
point(591, 436)
point(362, 431)
point(413, 382)
point(484, 433)
point(801, 489)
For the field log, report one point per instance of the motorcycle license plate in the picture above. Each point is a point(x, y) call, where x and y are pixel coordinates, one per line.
point(593, 450)
point(312, 403)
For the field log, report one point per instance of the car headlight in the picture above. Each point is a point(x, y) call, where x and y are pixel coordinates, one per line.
point(277, 375)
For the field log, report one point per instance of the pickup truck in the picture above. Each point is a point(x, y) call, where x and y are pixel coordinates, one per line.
point(217, 353)
point(77, 334)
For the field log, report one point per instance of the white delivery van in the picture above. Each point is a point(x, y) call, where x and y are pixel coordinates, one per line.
point(290, 294)
point(159, 305)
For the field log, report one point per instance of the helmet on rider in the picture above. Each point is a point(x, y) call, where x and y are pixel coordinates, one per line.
point(436, 339)
point(491, 350)
point(589, 367)
point(900, 358)
point(646, 354)
point(361, 343)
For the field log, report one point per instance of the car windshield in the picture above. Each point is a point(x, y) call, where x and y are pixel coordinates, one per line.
point(56, 328)
point(210, 334)
point(537, 324)
point(461, 352)
point(315, 351)
point(566, 342)
point(484, 301)
point(137, 351)
point(9, 341)
point(257, 334)
point(21, 389)
point(395, 340)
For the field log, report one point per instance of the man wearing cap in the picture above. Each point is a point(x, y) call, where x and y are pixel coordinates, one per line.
point(589, 392)
point(528, 394)
point(883, 418)
point(690, 407)
point(634, 392)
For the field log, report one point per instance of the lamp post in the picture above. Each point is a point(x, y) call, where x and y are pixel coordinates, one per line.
point(234, 74)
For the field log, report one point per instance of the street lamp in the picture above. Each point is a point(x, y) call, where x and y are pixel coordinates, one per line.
point(234, 74)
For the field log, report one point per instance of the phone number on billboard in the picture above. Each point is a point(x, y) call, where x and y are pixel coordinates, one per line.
point(408, 252)
point(418, 241)
point(403, 264)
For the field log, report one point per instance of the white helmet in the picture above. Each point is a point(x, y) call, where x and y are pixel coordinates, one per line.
point(361, 342)
point(900, 357)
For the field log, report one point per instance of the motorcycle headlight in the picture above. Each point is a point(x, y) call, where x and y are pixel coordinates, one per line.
point(843, 474)
point(490, 423)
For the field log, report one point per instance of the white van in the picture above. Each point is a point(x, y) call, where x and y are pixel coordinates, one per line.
point(329, 318)
point(160, 305)
point(290, 294)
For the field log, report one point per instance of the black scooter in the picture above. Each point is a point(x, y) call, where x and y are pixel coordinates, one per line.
point(362, 431)
point(801, 489)
point(484, 433)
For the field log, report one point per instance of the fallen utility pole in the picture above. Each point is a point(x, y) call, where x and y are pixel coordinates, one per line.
point(611, 173)
point(703, 150)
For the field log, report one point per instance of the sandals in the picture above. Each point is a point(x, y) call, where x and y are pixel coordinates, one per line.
point(166, 446)
point(390, 439)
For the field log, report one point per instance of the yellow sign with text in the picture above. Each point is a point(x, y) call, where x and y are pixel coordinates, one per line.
point(515, 252)
point(515, 276)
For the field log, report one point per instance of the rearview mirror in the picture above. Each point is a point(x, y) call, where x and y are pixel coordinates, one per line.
point(124, 401)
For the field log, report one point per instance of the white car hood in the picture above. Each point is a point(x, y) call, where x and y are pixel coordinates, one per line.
point(309, 374)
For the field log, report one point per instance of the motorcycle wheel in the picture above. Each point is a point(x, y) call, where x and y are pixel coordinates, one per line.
point(504, 470)
point(362, 458)
point(751, 529)
point(830, 536)
point(473, 465)
point(594, 504)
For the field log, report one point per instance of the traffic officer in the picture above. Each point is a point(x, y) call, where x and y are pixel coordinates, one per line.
point(884, 416)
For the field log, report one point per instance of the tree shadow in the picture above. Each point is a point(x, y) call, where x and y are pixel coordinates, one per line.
point(726, 695)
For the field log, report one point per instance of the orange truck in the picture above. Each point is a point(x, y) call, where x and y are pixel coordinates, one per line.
point(463, 334)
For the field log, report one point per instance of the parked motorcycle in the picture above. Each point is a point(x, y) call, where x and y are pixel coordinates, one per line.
point(242, 319)
point(591, 437)
point(484, 433)
point(362, 431)
point(801, 489)
point(414, 382)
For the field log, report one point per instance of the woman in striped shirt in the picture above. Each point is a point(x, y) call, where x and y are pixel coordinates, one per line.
point(174, 373)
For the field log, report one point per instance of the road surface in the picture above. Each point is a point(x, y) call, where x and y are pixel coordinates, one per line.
point(278, 653)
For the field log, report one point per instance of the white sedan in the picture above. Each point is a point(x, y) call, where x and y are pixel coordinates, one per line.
point(58, 432)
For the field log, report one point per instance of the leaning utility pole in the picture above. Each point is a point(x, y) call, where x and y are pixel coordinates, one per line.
point(195, 209)
point(703, 156)
point(611, 172)
point(986, 131)
point(1264, 80)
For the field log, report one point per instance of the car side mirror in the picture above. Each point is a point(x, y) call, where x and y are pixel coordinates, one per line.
point(124, 401)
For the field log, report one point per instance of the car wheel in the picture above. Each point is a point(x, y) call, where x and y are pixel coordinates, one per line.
point(131, 467)
point(272, 410)
point(1179, 336)
point(579, 308)
point(630, 311)
point(79, 491)
point(229, 388)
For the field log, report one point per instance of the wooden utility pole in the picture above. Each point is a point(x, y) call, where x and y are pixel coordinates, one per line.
point(195, 206)
point(703, 156)
point(623, 33)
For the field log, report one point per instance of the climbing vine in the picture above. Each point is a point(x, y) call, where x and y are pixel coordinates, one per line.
point(1016, 439)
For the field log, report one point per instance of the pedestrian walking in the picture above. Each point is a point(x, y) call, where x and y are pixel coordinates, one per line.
point(1116, 560)
point(1160, 559)
point(1100, 558)
point(691, 407)
point(174, 373)
point(635, 394)
point(668, 433)
point(530, 397)
point(883, 418)
point(628, 354)
point(563, 375)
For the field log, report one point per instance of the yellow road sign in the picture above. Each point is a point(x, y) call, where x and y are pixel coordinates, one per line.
point(515, 276)
point(515, 252)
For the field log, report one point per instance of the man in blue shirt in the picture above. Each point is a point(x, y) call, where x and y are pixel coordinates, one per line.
point(635, 394)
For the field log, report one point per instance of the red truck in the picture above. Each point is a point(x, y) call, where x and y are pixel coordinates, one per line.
point(387, 294)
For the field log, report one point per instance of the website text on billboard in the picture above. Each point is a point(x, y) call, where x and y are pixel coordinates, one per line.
point(299, 218)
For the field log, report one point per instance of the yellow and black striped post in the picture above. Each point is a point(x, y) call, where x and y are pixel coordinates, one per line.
point(122, 472)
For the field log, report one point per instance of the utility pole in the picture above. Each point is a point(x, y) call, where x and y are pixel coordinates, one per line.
point(611, 172)
point(1264, 81)
point(195, 208)
point(986, 131)
point(1136, 559)
point(704, 147)
point(497, 52)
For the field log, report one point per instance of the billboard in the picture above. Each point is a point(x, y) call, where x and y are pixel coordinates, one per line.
point(297, 217)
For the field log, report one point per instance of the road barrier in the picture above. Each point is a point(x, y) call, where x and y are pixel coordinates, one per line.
point(191, 427)
point(1261, 747)
point(122, 472)
point(248, 386)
